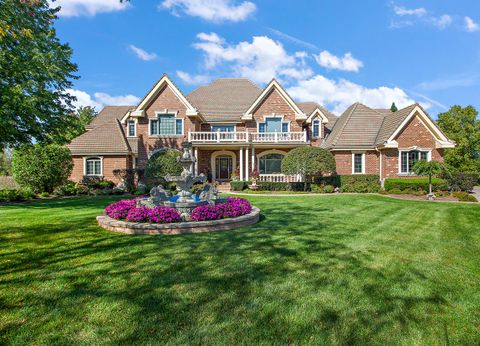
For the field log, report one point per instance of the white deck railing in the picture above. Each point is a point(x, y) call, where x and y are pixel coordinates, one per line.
point(245, 137)
point(217, 137)
point(279, 178)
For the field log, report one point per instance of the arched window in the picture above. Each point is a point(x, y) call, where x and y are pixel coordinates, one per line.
point(93, 166)
point(270, 164)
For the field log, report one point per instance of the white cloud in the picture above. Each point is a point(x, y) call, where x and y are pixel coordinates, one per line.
point(142, 54)
point(211, 10)
point(442, 22)
point(259, 60)
point(192, 79)
point(75, 8)
point(402, 11)
point(293, 39)
point(99, 100)
point(471, 25)
point(345, 63)
point(339, 95)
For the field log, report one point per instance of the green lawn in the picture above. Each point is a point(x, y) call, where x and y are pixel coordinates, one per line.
point(328, 269)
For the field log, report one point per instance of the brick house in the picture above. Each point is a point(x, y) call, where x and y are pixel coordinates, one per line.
point(235, 126)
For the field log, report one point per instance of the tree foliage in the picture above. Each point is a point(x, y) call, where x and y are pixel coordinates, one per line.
point(163, 163)
point(428, 169)
point(35, 74)
point(42, 167)
point(78, 122)
point(393, 107)
point(308, 161)
point(463, 126)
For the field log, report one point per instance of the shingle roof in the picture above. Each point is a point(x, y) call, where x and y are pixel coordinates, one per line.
point(105, 139)
point(363, 127)
point(391, 122)
point(309, 107)
point(225, 99)
point(108, 114)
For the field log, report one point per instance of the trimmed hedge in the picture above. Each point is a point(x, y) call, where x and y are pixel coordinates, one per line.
point(10, 195)
point(238, 185)
point(415, 184)
point(365, 183)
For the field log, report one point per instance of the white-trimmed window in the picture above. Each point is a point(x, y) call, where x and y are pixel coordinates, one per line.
point(274, 124)
point(93, 166)
point(270, 163)
point(358, 163)
point(408, 158)
point(316, 128)
point(166, 125)
point(131, 128)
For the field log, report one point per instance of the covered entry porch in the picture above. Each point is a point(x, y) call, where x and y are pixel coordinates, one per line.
point(224, 162)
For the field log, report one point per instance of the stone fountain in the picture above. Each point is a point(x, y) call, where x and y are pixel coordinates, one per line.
point(184, 202)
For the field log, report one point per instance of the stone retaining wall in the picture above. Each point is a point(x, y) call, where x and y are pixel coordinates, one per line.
point(178, 227)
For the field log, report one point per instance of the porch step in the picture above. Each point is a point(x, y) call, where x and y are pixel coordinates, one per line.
point(223, 187)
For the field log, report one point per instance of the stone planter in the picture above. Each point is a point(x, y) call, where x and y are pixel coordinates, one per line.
point(179, 227)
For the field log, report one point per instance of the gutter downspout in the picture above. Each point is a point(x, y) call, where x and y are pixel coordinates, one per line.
point(382, 181)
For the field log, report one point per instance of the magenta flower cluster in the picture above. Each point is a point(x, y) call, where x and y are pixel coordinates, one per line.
point(127, 210)
point(234, 207)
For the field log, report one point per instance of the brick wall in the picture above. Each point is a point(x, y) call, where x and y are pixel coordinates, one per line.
point(110, 163)
point(416, 134)
point(343, 160)
point(165, 99)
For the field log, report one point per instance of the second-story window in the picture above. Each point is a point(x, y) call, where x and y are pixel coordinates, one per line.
point(223, 128)
point(166, 125)
point(273, 125)
point(316, 128)
point(131, 128)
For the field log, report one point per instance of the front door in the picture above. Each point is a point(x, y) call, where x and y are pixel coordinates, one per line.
point(223, 167)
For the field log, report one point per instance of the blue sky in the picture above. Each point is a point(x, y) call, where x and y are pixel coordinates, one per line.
point(332, 52)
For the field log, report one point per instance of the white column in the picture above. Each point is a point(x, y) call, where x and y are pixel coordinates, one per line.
point(241, 164)
point(246, 164)
point(196, 161)
point(253, 158)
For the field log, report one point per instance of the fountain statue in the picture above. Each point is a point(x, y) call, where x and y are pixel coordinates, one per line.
point(184, 201)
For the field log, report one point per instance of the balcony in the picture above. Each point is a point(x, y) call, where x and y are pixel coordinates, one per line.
point(247, 137)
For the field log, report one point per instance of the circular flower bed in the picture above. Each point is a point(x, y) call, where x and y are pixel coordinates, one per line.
point(128, 210)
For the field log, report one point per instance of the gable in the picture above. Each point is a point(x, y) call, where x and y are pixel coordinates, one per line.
point(272, 97)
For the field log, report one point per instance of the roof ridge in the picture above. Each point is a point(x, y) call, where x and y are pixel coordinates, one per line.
point(125, 141)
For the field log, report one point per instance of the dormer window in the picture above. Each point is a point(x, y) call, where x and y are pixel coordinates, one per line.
point(131, 128)
point(316, 128)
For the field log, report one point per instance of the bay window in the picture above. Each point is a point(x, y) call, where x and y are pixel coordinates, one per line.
point(409, 158)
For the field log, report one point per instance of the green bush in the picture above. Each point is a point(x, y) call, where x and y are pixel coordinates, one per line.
point(464, 196)
point(328, 189)
point(67, 189)
point(163, 163)
point(238, 185)
point(365, 183)
point(316, 188)
point(415, 184)
point(274, 186)
point(106, 184)
point(43, 195)
point(462, 181)
point(42, 167)
point(11, 195)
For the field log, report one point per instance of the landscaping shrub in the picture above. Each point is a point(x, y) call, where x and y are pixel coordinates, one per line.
point(415, 184)
point(128, 177)
point(274, 186)
point(238, 185)
point(13, 195)
point(395, 191)
point(464, 196)
point(316, 188)
point(162, 163)
point(365, 183)
point(328, 189)
point(67, 189)
point(462, 181)
point(42, 167)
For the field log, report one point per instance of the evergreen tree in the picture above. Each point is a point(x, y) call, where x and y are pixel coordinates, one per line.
point(393, 107)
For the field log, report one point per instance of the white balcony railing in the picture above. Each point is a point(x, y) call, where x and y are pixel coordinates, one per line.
point(217, 137)
point(245, 137)
point(279, 178)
